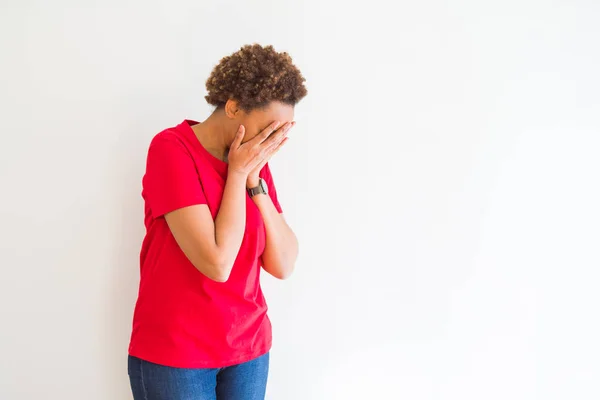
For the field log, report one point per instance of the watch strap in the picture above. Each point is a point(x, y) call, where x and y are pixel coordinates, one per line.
point(260, 189)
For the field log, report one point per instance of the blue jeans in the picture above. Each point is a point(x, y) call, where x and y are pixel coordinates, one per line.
point(246, 381)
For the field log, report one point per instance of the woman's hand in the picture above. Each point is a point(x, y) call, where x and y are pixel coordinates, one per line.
point(253, 176)
point(245, 158)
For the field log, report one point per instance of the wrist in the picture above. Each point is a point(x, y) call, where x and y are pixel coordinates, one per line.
point(252, 181)
point(237, 175)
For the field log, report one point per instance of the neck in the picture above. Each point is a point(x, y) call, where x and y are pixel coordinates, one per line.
point(215, 134)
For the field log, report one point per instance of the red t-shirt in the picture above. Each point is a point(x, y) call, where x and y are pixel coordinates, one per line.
point(183, 318)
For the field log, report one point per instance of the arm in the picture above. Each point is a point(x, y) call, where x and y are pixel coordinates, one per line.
point(212, 246)
point(281, 248)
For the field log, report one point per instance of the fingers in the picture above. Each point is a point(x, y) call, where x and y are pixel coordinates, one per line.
point(278, 136)
point(272, 142)
point(274, 148)
point(267, 131)
point(270, 152)
point(239, 136)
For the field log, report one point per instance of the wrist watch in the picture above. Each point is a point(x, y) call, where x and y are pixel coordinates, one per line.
point(260, 189)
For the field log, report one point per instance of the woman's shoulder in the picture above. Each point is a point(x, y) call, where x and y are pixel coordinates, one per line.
point(173, 137)
point(171, 134)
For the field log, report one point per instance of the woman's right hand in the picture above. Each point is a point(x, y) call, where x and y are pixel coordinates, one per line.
point(245, 157)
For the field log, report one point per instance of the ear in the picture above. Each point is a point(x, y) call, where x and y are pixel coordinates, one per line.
point(232, 109)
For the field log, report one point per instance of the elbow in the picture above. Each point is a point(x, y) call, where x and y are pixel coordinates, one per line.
point(219, 277)
point(287, 273)
point(216, 270)
point(279, 267)
point(220, 272)
point(284, 272)
point(283, 276)
point(217, 274)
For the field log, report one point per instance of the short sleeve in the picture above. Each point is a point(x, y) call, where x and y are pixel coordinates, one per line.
point(266, 175)
point(171, 181)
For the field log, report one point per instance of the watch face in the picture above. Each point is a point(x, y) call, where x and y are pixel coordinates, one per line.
point(263, 185)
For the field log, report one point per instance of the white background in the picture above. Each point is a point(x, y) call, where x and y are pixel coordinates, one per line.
point(443, 180)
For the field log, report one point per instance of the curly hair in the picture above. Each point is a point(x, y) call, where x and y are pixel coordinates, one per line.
point(254, 76)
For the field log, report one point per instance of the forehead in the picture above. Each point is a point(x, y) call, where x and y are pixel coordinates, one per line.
point(275, 111)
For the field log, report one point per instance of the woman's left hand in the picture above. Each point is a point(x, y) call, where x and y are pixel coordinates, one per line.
point(254, 176)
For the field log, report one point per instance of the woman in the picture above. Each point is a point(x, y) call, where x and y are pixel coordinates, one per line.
point(200, 328)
